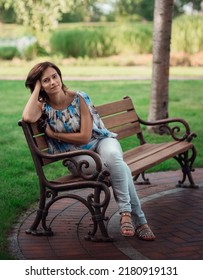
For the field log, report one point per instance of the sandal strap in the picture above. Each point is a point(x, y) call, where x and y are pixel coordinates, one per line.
point(126, 224)
point(143, 228)
point(144, 232)
point(125, 214)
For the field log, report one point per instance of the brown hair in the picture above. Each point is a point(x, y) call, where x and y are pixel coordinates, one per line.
point(35, 74)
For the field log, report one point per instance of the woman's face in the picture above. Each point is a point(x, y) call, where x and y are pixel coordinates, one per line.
point(51, 81)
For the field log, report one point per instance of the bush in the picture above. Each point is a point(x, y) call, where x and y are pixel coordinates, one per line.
point(102, 41)
point(91, 42)
point(8, 52)
point(137, 37)
point(34, 51)
point(187, 35)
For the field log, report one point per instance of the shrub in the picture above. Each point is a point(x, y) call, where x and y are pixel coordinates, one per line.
point(8, 52)
point(91, 42)
point(34, 51)
point(137, 37)
point(187, 35)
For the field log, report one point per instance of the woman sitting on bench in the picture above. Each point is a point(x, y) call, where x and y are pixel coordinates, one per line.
point(72, 123)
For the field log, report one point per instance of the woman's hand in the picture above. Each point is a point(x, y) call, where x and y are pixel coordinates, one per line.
point(38, 86)
point(49, 132)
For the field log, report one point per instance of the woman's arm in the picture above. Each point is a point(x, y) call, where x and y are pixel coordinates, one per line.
point(78, 138)
point(33, 109)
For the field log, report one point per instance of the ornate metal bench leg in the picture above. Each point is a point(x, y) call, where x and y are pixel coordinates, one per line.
point(99, 216)
point(33, 229)
point(96, 207)
point(39, 216)
point(145, 180)
point(186, 163)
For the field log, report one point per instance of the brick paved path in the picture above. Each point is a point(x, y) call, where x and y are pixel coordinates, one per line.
point(174, 214)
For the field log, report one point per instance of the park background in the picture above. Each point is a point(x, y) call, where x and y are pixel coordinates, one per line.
point(105, 49)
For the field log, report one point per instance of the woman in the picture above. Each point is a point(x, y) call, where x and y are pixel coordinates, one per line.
point(73, 123)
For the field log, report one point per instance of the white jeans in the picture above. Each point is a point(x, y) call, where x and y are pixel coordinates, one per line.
point(121, 179)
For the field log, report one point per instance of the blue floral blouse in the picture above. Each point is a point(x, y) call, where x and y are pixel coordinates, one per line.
point(68, 120)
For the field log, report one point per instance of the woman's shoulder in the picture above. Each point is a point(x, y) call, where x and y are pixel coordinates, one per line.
point(84, 95)
point(77, 93)
point(71, 93)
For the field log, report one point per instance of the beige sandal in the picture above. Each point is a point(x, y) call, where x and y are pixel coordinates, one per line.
point(144, 232)
point(127, 228)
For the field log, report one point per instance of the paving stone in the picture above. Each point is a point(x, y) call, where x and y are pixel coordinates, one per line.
point(174, 214)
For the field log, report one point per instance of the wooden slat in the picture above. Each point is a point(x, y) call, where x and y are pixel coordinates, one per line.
point(147, 161)
point(145, 150)
point(35, 129)
point(115, 107)
point(41, 142)
point(127, 130)
point(138, 152)
point(119, 119)
point(39, 138)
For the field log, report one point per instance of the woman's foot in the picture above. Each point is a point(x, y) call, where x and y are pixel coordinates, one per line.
point(144, 232)
point(127, 228)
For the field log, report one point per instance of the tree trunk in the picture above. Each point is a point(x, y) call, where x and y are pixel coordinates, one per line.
point(161, 59)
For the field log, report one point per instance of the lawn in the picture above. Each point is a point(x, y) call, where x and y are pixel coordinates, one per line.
point(19, 185)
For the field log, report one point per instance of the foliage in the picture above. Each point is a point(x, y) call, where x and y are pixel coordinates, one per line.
point(143, 8)
point(187, 35)
point(34, 51)
point(136, 37)
point(7, 15)
point(179, 4)
point(83, 10)
point(8, 52)
point(40, 16)
point(133, 37)
point(103, 40)
point(97, 42)
point(79, 14)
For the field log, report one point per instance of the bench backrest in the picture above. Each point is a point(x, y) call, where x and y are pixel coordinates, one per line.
point(35, 139)
point(119, 117)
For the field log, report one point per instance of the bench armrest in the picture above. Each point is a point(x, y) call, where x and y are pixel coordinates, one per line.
point(98, 172)
point(69, 157)
point(174, 130)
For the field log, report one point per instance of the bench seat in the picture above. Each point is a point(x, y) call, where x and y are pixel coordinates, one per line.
point(148, 155)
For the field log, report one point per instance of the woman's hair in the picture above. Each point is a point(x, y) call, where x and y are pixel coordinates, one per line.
point(35, 74)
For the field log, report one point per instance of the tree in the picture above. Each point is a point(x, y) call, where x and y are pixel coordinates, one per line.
point(161, 58)
point(143, 8)
point(40, 15)
point(179, 5)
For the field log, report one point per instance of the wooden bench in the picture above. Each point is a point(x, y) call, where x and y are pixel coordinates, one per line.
point(120, 117)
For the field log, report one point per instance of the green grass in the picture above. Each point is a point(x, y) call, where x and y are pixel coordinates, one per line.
point(19, 184)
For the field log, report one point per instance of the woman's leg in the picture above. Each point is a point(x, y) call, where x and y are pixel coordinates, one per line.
point(123, 188)
point(121, 179)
